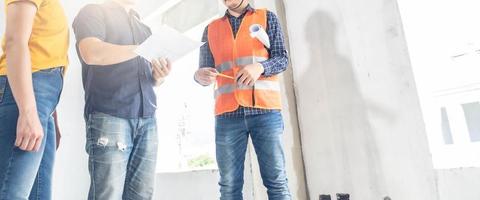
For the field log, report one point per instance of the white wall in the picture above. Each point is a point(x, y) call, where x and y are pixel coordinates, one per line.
point(433, 39)
point(360, 120)
point(459, 183)
point(71, 179)
point(199, 185)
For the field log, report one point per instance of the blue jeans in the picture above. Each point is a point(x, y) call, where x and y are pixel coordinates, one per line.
point(231, 140)
point(28, 175)
point(122, 157)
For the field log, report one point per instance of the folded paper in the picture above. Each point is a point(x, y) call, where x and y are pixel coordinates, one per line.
point(167, 43)
point(257, 31)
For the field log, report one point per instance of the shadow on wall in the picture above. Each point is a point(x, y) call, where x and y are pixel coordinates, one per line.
point(341, 153)
point(298, 167)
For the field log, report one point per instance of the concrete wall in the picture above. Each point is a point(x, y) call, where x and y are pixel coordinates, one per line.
point(360, 120)
point(292, 143)
point(201, 185)
point(456, 184)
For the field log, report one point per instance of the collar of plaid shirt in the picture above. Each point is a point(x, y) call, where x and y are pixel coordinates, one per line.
point(249, 8)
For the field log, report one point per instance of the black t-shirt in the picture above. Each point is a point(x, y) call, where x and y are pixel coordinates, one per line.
point(125, 89)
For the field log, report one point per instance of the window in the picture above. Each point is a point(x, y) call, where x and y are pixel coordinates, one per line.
point(185, 112)
point(445, 59)
point(446, 130)
point(472, 117)
point(185, 118)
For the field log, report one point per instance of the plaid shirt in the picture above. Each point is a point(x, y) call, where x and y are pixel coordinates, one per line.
point(276, 64)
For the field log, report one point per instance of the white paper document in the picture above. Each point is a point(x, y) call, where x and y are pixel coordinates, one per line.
point(167, 43)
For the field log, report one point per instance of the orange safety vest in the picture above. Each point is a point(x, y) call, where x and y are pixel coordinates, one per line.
point(230, 55)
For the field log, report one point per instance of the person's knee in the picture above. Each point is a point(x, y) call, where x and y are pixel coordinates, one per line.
point(275, 179)
point(231, 179)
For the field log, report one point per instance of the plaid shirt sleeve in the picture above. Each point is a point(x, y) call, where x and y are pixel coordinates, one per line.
point(278, 61)
point(206, 56)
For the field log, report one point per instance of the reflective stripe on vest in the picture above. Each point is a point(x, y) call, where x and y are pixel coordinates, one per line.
point(239, 62)
point(259, 85)
point(224, 67)
point(249, 60)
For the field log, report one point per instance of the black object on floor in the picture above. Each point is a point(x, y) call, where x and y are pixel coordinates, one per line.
point(325, 197)
point(343, 196)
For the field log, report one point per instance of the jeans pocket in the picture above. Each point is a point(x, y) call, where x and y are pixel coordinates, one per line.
point(3, 87)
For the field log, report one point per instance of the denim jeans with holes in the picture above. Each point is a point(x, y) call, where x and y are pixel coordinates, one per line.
point(122, 157)
point(28, 175)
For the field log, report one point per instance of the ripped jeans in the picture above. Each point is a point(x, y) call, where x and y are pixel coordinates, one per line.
point(122, 157)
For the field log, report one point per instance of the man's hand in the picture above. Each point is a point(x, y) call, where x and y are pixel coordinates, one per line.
point(161, 69)
point(206, 75)
point(249, 74)
point(29, 131)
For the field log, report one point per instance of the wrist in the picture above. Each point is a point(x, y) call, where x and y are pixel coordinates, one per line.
point(195, 76)
point(260, 66)
point(27, 110)
point(197, 79)
point(159, 81)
